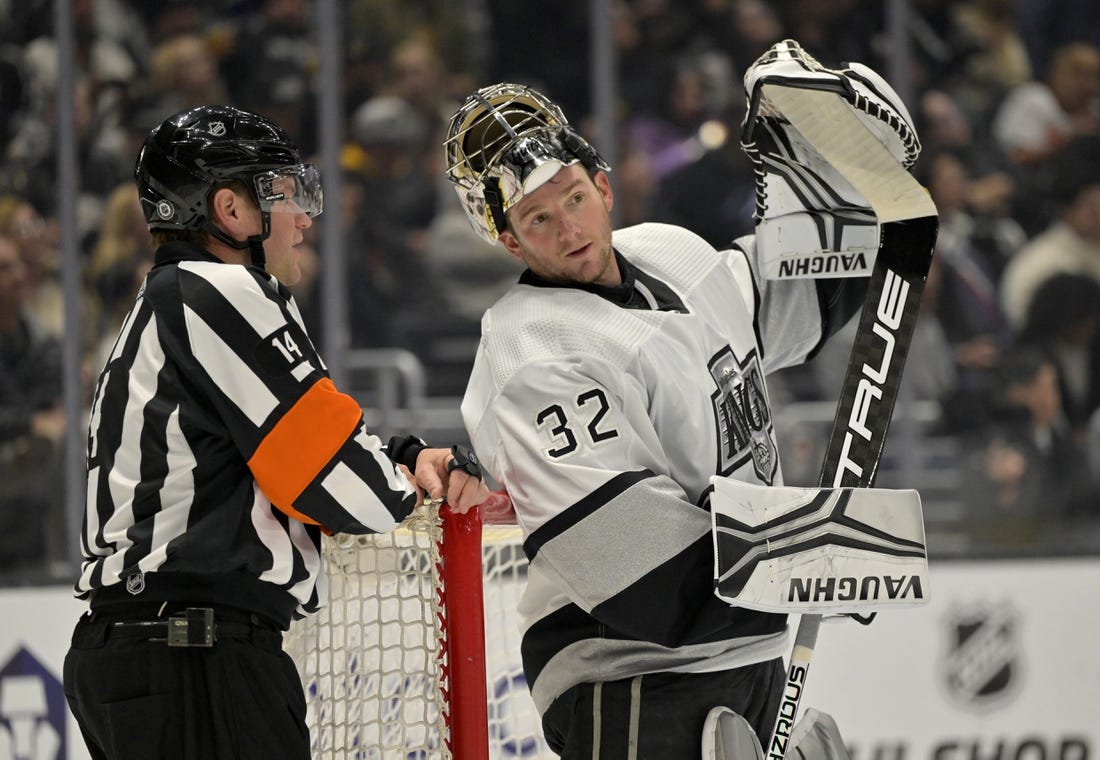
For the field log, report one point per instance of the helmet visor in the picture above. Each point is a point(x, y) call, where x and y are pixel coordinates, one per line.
point(290, 189)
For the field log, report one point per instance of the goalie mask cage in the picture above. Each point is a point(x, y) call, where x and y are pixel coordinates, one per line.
point(415, 654)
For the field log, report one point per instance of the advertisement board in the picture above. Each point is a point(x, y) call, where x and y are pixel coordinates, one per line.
point(999, 666)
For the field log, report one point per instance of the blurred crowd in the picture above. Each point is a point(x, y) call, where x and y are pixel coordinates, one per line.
point(1005, 94)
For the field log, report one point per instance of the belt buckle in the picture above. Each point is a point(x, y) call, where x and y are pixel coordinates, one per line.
point(194, 628)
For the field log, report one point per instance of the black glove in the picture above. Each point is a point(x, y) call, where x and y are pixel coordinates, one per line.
point(405, 450)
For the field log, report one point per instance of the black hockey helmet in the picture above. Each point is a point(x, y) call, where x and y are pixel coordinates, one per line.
point(199, 150)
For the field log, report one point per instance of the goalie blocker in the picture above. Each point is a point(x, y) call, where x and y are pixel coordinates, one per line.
point(817, 550)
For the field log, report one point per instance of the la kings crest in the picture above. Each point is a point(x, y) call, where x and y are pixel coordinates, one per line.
point(742, 415)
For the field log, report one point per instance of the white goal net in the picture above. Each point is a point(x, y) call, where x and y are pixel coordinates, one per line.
point(415, 655)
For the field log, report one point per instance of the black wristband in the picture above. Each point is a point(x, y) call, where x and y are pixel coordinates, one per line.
point(464, 460)
point(405, 450)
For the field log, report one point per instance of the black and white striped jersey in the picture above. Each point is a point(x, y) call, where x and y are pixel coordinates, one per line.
point(219, 449)
point(604, 412)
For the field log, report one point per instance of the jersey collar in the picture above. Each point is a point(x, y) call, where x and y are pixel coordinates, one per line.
point(637, 291)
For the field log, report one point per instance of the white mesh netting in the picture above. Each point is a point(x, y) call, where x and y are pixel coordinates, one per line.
point(370, 659)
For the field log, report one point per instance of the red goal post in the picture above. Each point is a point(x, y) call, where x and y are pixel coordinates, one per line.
point(416, 651)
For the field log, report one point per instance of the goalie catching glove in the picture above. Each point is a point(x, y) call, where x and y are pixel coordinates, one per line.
point(817, 550)
point(810, 221)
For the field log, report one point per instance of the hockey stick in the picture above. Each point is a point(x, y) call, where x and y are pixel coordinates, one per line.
point(909, 225)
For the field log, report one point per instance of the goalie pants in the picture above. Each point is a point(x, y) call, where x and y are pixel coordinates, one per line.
point(658, 716)
point(136, 698)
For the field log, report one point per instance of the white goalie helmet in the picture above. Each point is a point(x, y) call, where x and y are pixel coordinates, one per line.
point(504, 142)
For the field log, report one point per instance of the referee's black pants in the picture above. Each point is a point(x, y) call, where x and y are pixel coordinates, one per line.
point(139, 699)
point(659, 716)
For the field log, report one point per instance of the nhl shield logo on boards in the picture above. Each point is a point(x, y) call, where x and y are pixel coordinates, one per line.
point(981, 667)
point(742, 416)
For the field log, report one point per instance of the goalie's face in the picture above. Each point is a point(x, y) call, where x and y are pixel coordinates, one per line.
point(562, 231)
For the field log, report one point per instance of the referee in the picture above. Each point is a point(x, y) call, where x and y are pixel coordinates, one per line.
point(218, 452)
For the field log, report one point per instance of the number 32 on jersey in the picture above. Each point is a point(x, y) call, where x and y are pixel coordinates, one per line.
point(570, 425)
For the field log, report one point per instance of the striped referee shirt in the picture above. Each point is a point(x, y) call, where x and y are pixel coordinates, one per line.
point(219, 449)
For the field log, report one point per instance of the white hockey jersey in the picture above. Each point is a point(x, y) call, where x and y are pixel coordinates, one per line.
point(604, 420)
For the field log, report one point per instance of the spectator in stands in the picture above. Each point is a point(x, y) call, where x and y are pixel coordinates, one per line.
point(973, 244)
point(721, 173)
point(993, 58)
point(838, 31)
point(113, 289)
point(30, 166)
point(37, 240)
point(377, 30)
point(1071, 243)
point(105, 72)
point(756, 25)
point(123, 233)
point(400, 201)
point(171, 18)
point(1038, 118)
point(121, 256)
point(184, 74)
point(271, 67)
point(32, 424)
point(639, 185)
point(540, 59)
point(1063, 321)
point(1046, 25)
point(476, 272)
point(417, 78)
point(669, 135)
point(1027, 474)
point(11, 94)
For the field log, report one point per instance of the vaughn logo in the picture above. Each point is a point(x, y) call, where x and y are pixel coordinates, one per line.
point(742, 415)
point(848, 589)
point(869, 391)
point(981, 668)
point(823, 265)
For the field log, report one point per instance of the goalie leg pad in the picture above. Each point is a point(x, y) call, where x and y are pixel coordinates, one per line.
point(728, 736)
point(817, 550)
point(816, 737)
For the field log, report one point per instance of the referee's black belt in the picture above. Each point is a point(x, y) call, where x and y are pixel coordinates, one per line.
point(185, 628)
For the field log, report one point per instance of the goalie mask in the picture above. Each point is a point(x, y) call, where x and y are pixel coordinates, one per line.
point(504, 142)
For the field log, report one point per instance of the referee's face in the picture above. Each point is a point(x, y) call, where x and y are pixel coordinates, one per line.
point(288, 224)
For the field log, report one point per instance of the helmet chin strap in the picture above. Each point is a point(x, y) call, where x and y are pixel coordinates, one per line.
point(256, 249)
point(254, 243)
